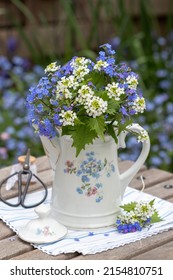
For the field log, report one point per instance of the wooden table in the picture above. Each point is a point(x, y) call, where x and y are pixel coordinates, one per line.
point(159, 246)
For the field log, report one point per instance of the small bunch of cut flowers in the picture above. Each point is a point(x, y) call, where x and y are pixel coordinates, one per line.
point(136, 216)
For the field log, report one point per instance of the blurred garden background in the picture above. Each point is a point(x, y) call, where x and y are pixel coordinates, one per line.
point(36, 33)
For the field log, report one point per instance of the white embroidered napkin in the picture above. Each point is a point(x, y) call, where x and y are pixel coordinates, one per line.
point(91, 241)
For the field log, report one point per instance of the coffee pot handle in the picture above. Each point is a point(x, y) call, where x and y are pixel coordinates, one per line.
point(128, 175)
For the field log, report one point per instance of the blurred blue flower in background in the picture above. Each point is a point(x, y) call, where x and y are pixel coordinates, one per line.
point(16, 76)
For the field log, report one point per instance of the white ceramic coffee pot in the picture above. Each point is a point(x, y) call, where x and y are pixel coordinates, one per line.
point(88, 189)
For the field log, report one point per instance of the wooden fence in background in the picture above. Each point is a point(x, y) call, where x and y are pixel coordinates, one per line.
point(46, 21)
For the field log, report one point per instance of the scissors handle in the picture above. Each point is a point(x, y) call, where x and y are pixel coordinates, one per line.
point(24, 194)
point(19, 191)
point(23, 190)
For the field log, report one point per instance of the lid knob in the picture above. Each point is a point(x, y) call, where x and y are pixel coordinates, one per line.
point(42, 210)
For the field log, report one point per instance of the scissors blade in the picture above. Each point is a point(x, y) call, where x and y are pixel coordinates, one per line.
point(27, 161)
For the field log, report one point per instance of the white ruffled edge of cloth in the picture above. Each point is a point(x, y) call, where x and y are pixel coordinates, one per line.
point(91, 241)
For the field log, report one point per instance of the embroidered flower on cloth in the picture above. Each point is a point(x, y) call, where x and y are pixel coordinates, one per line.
point(136, 216)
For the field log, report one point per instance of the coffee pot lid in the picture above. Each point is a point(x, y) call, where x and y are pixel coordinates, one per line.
point(44, 229)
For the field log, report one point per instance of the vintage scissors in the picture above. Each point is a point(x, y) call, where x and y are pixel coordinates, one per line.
point(23, 190)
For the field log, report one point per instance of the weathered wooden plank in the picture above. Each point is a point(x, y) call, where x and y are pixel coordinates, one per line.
point(124, 165)
point(5, 231)
point(11, 247)
point(164, 252)
point(46, 176)
point(162, 190)
point(152, 177)
point(131, 250)
point(170, 199)
point(42, 164)
point(39, 255)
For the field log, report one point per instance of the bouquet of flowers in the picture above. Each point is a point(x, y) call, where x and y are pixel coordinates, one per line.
point(86, 99)
point(136, 216)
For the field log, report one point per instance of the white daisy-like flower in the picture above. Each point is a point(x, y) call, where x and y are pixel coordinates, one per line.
point(79, 61)
point(81, 72)
point(132, 81)
point(114, 90)
point(95, 106)
point(85, 92)
point(67, 82)
point(139, 105)
point(52, 67)
point(143, 136)
point(80, 67)
point(100, 64)
point(67, 117)
point(144, 210)
point(66, 93)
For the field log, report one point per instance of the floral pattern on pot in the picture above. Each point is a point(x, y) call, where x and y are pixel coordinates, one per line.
point(90, 170)
point(46, 231)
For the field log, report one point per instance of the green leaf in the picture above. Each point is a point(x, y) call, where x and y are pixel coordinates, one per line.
point(122, 126)
point(77, 121)
point(112, 107)
point(152, 202)
point(155, 218)
point(98, 125)
point(97, 78)
point(129, 206)
point(66, 130)
point(111, 132)
point(81, 136)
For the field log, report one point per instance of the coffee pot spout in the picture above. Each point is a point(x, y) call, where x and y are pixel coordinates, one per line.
point(51, 147)
point(52, 150)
